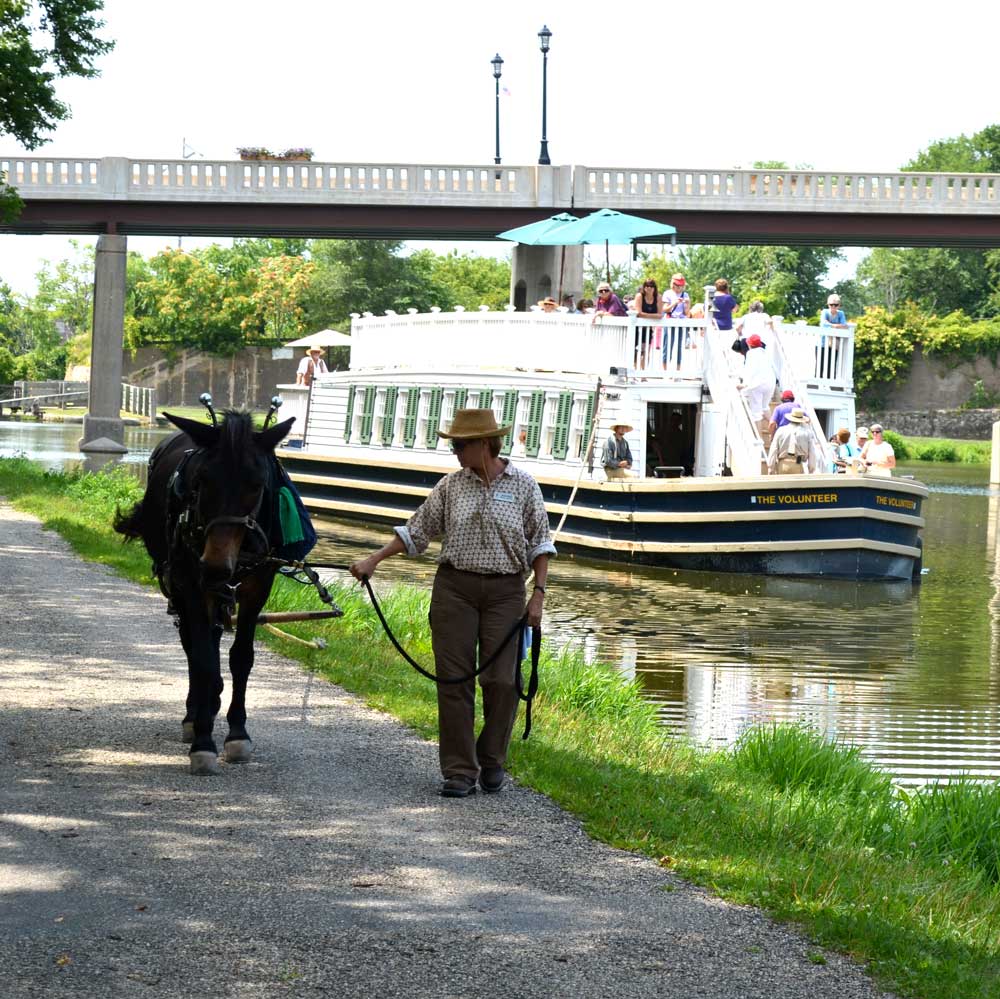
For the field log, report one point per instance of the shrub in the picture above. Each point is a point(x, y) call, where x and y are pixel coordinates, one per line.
point(899, 446)
point(936, 451)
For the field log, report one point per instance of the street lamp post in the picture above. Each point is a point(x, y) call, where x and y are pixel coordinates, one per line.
point(544, 37)
point(497, 64)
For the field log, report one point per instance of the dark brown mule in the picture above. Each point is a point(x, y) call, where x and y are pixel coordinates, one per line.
point(205, 520)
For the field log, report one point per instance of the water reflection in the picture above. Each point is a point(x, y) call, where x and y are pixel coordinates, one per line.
point(910, 673)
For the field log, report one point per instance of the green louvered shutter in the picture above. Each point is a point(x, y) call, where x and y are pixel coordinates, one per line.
point(350, 413)
point(588, 419)
point(410, 420)
point(368, 414)
point(533, 428)
point(508, 413)
point(560, 436)
point(434, 418)
point(461, 395)
point(389, 415)
point(485, 399)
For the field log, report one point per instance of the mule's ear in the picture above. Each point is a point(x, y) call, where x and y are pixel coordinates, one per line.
point(268, 440)
point(203, 434)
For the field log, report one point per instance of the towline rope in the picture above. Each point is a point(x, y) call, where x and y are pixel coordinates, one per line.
point(519, 630)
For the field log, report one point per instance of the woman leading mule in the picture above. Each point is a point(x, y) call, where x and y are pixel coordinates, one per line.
point(495, 528)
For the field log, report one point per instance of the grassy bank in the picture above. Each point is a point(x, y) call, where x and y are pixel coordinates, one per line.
point(939, 449)
point(908, 883)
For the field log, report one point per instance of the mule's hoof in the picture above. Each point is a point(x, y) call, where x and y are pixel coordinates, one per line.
point(187, 732)
point(238, 751)
point(204, 763)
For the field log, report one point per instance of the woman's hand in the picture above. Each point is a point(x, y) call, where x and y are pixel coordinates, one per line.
point(534, 608)
point(364, 568)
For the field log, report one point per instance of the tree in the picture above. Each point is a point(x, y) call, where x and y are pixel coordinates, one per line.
point(368, 275)
point(472, 281)
point(36, 49)
point(978, 153)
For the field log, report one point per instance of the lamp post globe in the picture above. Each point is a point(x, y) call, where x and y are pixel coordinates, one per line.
point(497, 63)
point(544, 39)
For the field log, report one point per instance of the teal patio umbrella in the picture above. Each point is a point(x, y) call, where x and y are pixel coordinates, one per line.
point(607, 226)
point(534, 233)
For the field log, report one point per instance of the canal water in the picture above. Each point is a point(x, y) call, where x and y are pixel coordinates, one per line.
point(909, 673)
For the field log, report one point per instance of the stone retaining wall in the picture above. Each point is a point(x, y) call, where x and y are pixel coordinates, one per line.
point(957, 424)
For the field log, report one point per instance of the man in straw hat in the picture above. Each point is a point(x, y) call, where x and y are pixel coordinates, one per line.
point(495, 529)
point(548, 304)
point(310, 366)
point(617, 455)
point(793, 449)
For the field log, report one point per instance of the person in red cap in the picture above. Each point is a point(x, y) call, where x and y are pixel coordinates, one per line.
point(676, 305)
point(758, 380)
point(779, 416)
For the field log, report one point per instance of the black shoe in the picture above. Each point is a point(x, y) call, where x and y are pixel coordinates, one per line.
point(458, 786)
point(491, 779)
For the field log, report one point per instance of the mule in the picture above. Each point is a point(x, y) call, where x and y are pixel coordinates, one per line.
point(207, 519)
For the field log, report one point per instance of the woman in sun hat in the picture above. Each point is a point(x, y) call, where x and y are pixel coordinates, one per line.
point(495, 530)
point(548, 304)
point(310, 366)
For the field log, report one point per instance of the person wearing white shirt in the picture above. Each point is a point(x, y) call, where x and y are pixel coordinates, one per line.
point(310, 366)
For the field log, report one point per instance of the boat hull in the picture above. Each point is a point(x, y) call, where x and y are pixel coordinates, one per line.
point(831, 526)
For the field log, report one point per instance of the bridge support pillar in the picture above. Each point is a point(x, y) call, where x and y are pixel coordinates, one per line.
point(103, 429)
point(535, 273)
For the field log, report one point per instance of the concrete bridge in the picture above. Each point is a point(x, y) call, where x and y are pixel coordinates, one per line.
point(115, 197)
point(438, 201)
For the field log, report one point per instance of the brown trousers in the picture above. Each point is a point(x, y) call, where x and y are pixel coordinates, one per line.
point(467, 610)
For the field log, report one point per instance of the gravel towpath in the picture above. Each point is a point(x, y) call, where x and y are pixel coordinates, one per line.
point(329, 866)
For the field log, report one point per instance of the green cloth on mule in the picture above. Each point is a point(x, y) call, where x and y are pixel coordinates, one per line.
point(288, 515)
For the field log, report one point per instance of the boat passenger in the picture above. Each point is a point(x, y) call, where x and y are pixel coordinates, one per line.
point(877, 455)
point(779, 415)
point(648, 305)
point(843, 450)
point(492, 519)
point(756, 321)
point(793, 450)
point(585, 305)
point(608, 302)
point(310, 366)
point(833, 314)
point(862, 437)
point(570, 306)
point(548, 304)
point(676, 305)
point(617, 455)
point(724, 304)
point(758, 380)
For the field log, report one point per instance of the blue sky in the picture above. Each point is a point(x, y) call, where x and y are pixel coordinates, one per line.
point(853, 86)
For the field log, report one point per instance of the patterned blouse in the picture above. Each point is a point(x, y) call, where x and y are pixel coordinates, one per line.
point(500, 529)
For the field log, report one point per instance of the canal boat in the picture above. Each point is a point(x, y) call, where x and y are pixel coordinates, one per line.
point(697, 495)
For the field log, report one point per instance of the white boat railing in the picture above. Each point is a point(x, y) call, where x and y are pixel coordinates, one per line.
point(822, 356)
point(557, 341)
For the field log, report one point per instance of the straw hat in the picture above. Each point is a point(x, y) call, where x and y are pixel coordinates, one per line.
point(315, 350)
point(474, 425)
point(548, 301)
point(626, 427)
point(797, 416)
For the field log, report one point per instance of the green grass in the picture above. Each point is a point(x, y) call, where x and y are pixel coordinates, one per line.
point(906, 882)
point(939, 449)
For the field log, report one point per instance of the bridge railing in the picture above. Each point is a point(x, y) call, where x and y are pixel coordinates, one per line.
point(769, 190)
point(585, 187)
